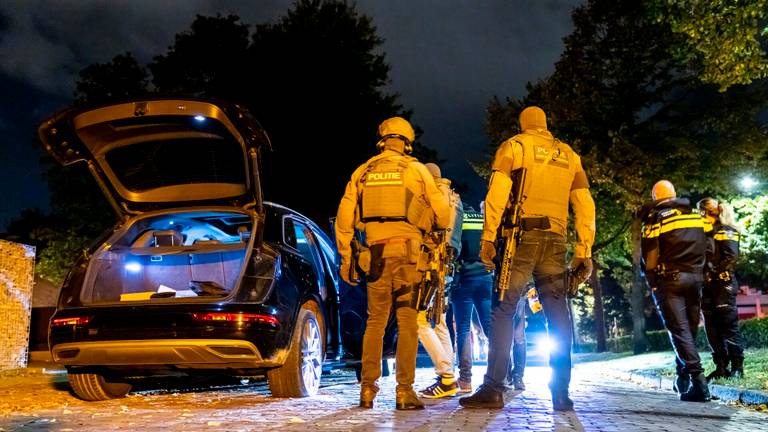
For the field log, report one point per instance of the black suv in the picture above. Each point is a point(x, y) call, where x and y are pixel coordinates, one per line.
point(199, 273)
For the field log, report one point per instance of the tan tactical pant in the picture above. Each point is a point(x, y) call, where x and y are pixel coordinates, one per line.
point(397, 273)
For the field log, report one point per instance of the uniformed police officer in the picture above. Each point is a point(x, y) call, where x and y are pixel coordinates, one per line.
point(555, 177)
point(718, 303)
point(674, 248)
point(394, 199)
point(472, 295)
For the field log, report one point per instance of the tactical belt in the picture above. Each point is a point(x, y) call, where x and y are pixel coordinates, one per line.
point(393, 240)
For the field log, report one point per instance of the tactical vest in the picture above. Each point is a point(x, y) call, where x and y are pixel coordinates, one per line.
point(385, 194)
point(551, 169)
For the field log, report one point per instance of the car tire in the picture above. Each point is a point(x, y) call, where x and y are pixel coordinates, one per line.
point(300, 375)
point(96, 387)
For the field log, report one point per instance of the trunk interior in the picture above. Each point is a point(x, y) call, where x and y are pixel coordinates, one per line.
point(180, 256)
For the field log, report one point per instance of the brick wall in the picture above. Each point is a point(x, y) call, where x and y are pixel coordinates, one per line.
point(17, 269)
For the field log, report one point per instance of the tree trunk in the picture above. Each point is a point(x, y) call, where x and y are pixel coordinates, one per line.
point(639, 343)
point(597, 290)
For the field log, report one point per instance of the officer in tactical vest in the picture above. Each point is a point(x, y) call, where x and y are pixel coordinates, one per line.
point(674, 247)
point(437, 341)
point(554, 178)
point(394, 200)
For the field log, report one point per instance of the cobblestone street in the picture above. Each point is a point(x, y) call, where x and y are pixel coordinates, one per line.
point(42, 402)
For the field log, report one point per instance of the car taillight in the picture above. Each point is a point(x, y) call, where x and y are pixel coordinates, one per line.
point(74, 321)
point(237, 317)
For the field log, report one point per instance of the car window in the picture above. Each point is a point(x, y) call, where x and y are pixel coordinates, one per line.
point(289, 233)
point(305, 243)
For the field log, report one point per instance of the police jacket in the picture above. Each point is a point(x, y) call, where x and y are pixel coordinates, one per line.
point(422, 201)
point(470, 265)
point(673, 238)
point(724, 252)
point(555, 177)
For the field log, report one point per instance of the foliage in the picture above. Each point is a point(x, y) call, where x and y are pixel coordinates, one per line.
point(753, 216)
point(724, 55)
point(314, 78)
point(755, 332)
point(117, 79)
point(637, 114)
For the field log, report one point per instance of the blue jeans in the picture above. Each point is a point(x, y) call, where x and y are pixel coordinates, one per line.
point(541, 254)
point(473, 293)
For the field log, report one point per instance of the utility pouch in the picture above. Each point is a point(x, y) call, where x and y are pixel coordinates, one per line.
point(376, 268)
point(364, 260)
point(535, 222)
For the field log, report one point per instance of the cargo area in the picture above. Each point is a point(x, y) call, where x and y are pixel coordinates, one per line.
point(189, 255)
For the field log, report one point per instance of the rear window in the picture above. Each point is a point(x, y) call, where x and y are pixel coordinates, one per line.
point(154, 164)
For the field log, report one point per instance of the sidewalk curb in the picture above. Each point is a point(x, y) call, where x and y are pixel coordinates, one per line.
point(724, 393)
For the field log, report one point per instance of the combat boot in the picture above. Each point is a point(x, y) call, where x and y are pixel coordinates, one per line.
point(721, 370)
point(737, 367)
point(682, 384)
point(367, 395)
point(699, 391)
point(484, 397)
point(407, 399)
point(561, 401)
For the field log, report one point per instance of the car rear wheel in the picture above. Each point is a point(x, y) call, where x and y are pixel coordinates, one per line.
point(300, 375)
point(96, 387)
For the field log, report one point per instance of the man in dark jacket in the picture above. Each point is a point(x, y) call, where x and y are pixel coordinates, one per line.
point(674, 247)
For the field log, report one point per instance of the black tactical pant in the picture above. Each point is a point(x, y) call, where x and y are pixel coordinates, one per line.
point(541, 254)
point(678, 300)
point(721, 320)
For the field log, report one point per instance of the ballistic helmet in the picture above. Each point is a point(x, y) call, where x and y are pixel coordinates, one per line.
point(533, 117)
point(397, 127)
point(663, 189)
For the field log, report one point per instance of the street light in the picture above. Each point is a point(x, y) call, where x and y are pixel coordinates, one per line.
point(747, 183)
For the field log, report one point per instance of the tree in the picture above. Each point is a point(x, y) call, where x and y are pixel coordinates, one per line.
point(315, 80)
point(721, 39)
point(637, 113)
point(118, 78)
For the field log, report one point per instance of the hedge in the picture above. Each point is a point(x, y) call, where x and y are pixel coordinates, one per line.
point(755, 332)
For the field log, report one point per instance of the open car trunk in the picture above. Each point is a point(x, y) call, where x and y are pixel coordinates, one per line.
point(194, 255)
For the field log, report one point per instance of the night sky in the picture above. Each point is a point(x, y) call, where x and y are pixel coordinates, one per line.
point(448, 59)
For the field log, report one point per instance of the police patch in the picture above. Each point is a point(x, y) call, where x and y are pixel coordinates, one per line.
point(383, 178)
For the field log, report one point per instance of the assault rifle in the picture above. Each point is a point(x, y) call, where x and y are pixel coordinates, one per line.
point(432, 289)
point(510, 229)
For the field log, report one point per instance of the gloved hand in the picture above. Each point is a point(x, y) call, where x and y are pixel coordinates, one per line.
point(487, 253)
point(581, 269)
point(344, 272)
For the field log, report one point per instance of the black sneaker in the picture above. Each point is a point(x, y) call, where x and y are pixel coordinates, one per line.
point(484, 397)
point(443, 387)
